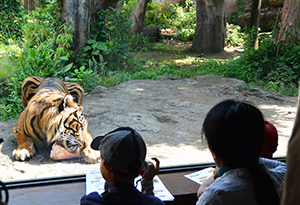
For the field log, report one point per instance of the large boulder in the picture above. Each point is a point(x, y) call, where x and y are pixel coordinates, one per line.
point(269, 13)
point(265, 20)
point(230, 7)
point(276, 3)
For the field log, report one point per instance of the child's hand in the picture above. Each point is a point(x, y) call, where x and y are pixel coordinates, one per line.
point(208, 182)
point(152, 170)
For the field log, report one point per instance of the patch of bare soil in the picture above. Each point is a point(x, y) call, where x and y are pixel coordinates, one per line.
point(180, 53)
point(168, 114)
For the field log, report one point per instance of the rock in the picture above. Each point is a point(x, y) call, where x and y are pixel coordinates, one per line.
point(153, 33)
point(99, 89)
point(276, 3)
point(268, 14)
point(266, 17)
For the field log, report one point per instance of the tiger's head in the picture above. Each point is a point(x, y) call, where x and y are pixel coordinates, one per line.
point(69, 127)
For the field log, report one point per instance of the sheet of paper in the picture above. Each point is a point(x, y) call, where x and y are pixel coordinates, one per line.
point(95, 182)
point(160, 190)
point(200, 176)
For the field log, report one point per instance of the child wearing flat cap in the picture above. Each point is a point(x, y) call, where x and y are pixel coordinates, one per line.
point(123, 153)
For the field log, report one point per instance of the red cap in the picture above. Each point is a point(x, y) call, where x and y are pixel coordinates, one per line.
point(270, 141)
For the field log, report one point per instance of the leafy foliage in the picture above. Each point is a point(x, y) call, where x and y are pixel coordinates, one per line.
point(235, 36)
point(10, 101)
point(274, 68)
point(181, 18)
point(112, 42)
point(10, 27)
point(107, 57)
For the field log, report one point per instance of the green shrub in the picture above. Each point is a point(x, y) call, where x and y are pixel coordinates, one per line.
point(181, 17)
point(235, 36)
point(10, 27)
point(186, 16)
point(38, 27)
point(159, 15)
point(265, 68)
point(119, 40)
point(107, 57)
point(10, 101)
point(48, 58)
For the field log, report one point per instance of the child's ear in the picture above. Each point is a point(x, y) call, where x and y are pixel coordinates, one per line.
point(212, 153)
point(107, 166)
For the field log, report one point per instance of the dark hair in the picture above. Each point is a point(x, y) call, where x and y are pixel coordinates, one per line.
point(234, 131)
point(132, 168)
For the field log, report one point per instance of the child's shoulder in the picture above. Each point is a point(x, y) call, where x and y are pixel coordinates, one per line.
point(92, 199)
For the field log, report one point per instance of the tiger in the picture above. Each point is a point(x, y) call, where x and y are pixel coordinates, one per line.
point(31, 84)
point(52, 113)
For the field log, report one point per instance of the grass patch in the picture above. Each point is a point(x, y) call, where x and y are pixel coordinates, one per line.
point(5, 66)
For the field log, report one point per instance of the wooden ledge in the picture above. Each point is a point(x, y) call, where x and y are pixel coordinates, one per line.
point(183, 190)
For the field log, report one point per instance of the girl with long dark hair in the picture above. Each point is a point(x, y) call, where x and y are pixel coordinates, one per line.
point(234, 132)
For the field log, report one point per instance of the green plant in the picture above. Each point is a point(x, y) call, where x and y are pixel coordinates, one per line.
point(45, 53)
point(272, 68)
point(10, 101)
point(63, 41)
point(38, 27)
point(10, 27)
point(95, 50)
point(160, 46)
point(4, 67)
point(186, 16)
point(111, 42)
point(118, 43)
point(140, 42)
point(159, 15)
point(234, 37)
point(87, 78)
point(46, 59)
point(179, 17)
point(186, 34)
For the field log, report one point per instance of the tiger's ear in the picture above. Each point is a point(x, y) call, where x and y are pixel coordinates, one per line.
point(67, 100)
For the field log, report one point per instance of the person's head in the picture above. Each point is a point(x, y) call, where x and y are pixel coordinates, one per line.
point(123, 152)
point(270, 140)
point(234, 131)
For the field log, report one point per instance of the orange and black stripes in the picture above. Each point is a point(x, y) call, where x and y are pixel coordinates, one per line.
point(32, 84)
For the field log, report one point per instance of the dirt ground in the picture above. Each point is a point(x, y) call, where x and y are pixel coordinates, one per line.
point(168, 113)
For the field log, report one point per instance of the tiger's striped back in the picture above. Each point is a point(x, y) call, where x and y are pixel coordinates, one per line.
point(31, 84)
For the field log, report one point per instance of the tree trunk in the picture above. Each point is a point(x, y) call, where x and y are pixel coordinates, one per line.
point(137, 16)
point(290, 19)
point(80, 15)
point(254, 21)
point(29, 5)
point(211, 26)
point(290, 187)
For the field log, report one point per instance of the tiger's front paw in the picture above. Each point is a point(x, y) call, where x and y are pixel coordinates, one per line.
point(23, 154)
point(90, 155)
